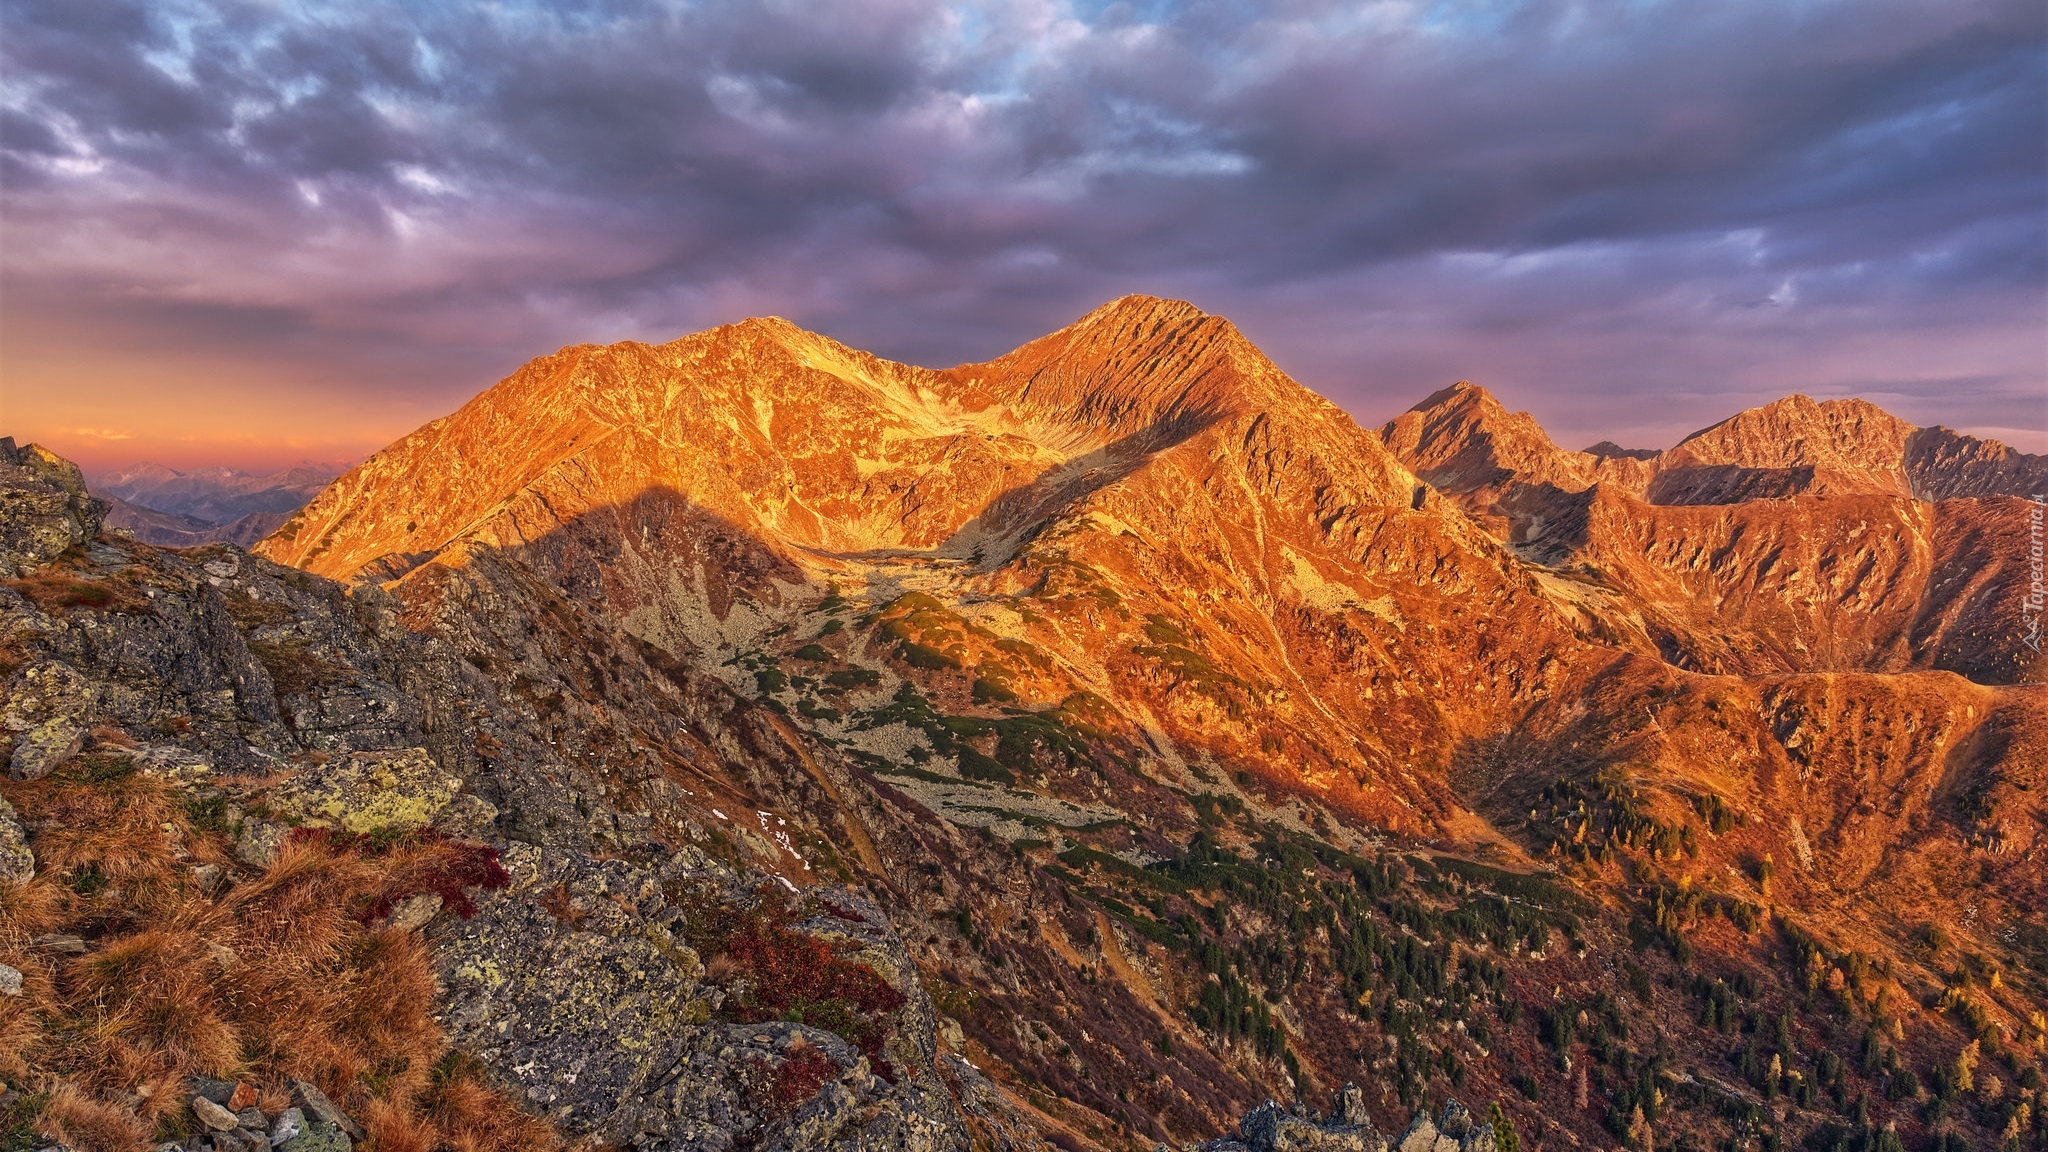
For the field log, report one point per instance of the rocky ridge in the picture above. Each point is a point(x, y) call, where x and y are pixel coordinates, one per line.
point(169, 508)
point(265, 705)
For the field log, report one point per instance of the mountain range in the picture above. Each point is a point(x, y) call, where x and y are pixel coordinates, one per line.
point(180, 509)
point(1176, 742)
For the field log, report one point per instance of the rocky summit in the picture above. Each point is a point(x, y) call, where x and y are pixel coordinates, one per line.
point(749, 743)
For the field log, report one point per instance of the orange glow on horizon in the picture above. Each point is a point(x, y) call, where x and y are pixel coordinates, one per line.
point(105, 406)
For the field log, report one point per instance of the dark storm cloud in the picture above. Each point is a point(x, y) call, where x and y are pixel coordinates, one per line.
point(1539, 194)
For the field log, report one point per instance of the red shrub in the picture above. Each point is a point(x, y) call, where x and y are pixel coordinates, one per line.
point(792, 976)
point(800, 1076)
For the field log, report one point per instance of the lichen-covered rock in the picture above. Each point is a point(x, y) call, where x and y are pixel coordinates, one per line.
point(47, 710)
point(577, 985)
point(400, 788)
point(17, 862)
point(318, 1136)
point(212, 1115)
point(258, 842)
point(1351, 1107)
point(45, 510)
point(39, 750)
point(314, 1101)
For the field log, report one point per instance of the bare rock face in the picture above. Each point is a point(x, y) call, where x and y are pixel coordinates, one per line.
point(1795, 445)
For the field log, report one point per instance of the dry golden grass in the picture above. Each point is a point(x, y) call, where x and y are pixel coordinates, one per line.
point(55, 588)
point(281, 976)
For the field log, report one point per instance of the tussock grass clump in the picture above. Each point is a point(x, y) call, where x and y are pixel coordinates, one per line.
point(295, 972)
point(65, 585)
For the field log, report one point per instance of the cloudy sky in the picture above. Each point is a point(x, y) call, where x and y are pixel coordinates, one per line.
point(256, 232)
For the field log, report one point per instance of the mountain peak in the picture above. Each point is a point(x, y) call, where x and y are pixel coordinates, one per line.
point(1463, 394)
point(1137, 363)
point(1462, 439)
point(1801, 432)
point(1139, 307)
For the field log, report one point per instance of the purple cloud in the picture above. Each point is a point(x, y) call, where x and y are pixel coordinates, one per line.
point(1630, 217)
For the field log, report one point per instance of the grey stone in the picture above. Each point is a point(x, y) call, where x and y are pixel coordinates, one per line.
point(1351, 1107)
point(1271, 1128)
point(252, 1118)
point(10, 981)
point(1455, 1120)
point(259, 843)
point(415, 911)
point(17, 862)
point(241, 1140)
point(43, 747)
point(290, 1123)
point(218, 1091)
point(1422, 1136)
point(317, 1104)
point(468, 816)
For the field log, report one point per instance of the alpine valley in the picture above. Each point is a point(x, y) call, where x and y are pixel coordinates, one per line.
point(749, 743)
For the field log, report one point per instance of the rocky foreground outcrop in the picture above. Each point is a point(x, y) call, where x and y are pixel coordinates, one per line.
point(278, 721)
point(45, 509)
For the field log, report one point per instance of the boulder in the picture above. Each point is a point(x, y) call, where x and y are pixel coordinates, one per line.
point(398, 788)
point(45, 510)
point(48, 708)
point(316, 1102)
point(218, 1091)
point(1351, 1107)
point(258, 842)
point(289, 1124)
